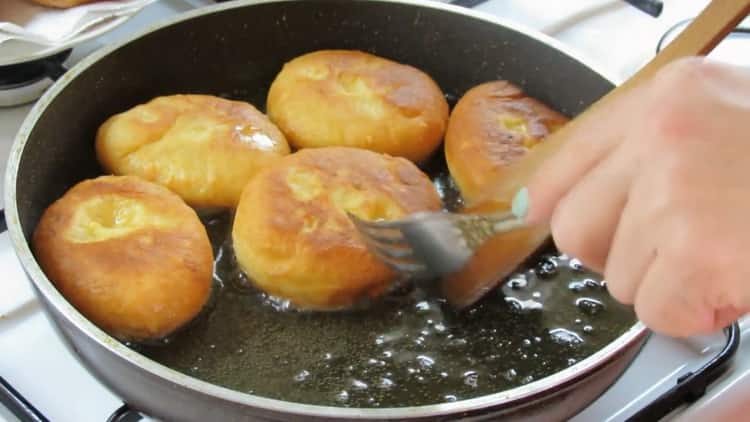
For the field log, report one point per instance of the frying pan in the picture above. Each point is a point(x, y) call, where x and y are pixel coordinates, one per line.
point(235, 50)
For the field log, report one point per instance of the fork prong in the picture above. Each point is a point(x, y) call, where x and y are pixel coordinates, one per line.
point(404, 267)
point(387, 242)
point(377, 225)
point(407, 267)
point(401, 252)
point(403, 264)
point(384, 235)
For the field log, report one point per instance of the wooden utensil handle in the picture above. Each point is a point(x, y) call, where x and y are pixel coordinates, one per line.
point(705, 32)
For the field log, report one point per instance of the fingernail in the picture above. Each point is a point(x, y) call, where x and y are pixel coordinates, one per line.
point(520, 204)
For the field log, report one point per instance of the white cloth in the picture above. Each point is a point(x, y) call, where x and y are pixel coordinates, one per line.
point(28, 21)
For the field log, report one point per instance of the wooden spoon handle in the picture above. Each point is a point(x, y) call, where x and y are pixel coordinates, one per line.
point(707, 30)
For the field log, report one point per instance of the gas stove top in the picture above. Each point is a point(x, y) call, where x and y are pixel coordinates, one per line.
point(619, 37)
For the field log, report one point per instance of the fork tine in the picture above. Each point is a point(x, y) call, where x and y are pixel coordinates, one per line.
point(385, 235)
point(389, 245)
point(401, 252)
point(379, 224)
point(407, 267)
point(402, 260)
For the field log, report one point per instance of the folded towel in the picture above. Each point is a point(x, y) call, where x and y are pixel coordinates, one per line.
point(27, 21)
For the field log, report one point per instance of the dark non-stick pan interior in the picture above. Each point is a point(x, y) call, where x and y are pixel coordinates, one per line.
point(409, 350)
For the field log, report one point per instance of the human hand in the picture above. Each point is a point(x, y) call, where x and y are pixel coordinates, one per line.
point(655, 193)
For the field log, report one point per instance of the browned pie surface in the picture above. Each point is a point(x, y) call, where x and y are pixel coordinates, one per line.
point(204, 148)
point(355, 99)
point(291, 233)
point(493, 125)
point(128, 254)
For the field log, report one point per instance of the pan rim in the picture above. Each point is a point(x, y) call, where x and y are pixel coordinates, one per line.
point(502, 399)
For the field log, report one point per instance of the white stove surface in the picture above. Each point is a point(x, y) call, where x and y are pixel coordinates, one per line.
point(611, 33)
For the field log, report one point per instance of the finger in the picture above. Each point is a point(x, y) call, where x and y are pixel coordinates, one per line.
point(584, 222)
point(631, 251)
point(669, 301)
point(725, 316)
point(591, 140)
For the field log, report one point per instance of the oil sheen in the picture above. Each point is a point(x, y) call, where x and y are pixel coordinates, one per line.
point(408, 349)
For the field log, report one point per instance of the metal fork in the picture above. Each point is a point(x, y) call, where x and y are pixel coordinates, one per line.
point(430, 245)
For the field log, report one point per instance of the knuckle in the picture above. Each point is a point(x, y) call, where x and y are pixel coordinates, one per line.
point(683, 72)
point(712, 275)
point(669, 122)
point(676, 92)
point(672, 319)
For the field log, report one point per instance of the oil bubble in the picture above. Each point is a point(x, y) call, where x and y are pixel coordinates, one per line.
point(590, 282)
point(425, 362)
point(457, 342)
point(359, 385)
point(302, 376)
point(547, 268)
point(422, 306)
point(471, 378)
point(386, 383)
point(376, 362)
point(576, 286)
point(575, 264)
point(523, 305)
point(343, 396)
point(517, 283)
point(566, 337)
point(589, 306)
